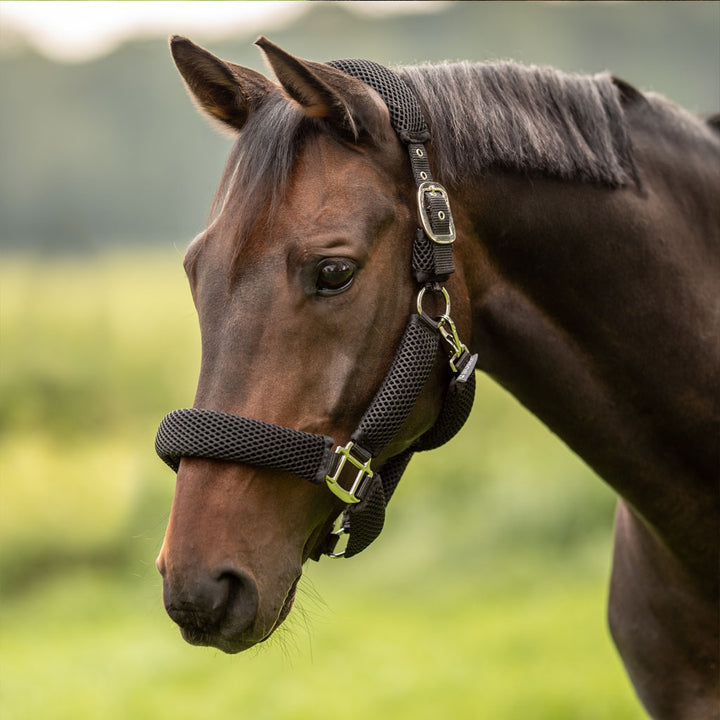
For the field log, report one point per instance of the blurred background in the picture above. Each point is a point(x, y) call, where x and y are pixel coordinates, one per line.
point(484, 597)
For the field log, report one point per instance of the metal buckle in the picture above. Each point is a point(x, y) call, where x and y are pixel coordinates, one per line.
point(344, 455)
point(435, 188)
point(339, 530)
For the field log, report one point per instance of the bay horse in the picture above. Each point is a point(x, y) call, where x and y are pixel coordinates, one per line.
point(586, 256)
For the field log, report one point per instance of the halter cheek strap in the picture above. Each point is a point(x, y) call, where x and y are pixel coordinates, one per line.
point(347, 470)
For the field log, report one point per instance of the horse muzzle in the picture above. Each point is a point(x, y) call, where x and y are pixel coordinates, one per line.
point(222, 608)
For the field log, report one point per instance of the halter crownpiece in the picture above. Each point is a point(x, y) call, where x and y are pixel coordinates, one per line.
point(432, 250)
point(347, 470)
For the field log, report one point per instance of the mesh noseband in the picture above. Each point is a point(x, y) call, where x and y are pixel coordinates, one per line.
point(348, 472)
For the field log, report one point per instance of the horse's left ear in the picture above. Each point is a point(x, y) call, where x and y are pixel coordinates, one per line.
point(324, 92)
point(223, 91)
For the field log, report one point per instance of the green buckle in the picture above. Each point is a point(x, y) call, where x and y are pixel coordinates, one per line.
point(343, 455)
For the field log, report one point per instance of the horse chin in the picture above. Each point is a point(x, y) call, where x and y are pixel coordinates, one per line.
point(228, 645)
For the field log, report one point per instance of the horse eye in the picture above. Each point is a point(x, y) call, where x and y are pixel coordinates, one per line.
point(334, 276)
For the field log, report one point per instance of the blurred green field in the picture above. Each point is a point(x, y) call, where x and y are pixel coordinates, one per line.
point(484, 598)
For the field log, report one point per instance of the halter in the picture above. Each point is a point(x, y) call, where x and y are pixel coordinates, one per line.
point(347, 470)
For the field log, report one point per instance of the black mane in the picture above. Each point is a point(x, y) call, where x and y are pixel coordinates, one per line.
point(527, 119)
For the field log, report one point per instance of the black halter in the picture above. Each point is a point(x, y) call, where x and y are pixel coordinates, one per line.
point(347, 470)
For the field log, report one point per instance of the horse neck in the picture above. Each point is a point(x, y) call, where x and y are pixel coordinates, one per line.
point(587, 309)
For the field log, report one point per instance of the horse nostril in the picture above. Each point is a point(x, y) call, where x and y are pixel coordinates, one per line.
point(242, 601)
point(224, 602)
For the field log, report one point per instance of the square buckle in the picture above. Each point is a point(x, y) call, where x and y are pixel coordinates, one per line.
point(433, 189)
point(361, 461)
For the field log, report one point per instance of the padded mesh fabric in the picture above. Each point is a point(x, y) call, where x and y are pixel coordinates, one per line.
point(405, 114)
point(400, 389)
point(364, 522)
point(221, 436)
point(455, 411)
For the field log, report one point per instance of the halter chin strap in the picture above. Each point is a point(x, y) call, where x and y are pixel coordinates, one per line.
point(347, 470)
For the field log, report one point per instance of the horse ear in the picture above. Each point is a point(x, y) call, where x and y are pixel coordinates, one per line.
point(223, 91)
point(324, 92)
point(628, 93)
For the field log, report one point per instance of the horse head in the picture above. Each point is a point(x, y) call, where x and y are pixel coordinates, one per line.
point(302, 286)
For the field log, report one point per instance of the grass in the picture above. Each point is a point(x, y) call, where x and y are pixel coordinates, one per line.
point(484, 597)
point(91, 645)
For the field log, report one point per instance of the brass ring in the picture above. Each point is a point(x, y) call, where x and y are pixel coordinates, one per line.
point(421, 295)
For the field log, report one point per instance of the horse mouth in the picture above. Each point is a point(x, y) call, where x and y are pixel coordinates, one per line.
point(205, 638)
point(198, 633)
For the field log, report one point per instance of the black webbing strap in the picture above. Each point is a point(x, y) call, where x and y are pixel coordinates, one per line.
point(432, 260)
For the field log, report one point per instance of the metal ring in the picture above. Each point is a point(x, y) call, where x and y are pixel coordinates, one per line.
point(438, 288)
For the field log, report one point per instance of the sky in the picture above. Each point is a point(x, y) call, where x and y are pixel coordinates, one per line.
point(77, 31)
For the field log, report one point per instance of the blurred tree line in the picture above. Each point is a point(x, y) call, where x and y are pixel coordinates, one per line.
point(110, 152)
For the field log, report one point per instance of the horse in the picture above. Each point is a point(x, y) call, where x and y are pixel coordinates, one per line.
point(584, 279)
